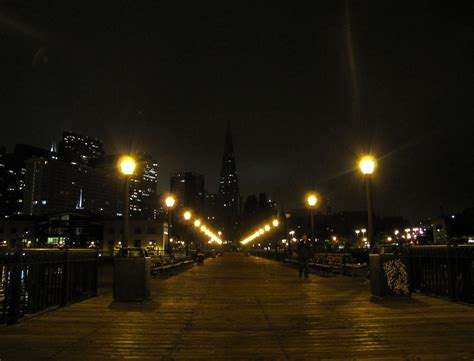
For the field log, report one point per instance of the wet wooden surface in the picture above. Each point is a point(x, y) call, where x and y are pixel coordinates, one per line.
point(247, 308)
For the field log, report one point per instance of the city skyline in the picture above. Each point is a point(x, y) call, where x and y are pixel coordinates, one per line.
point(163, 180)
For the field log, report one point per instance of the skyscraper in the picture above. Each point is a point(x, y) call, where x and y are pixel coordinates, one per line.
point(188, 188)
point(56, 186)
point(211, 208)
point(229, 196)
point(143, 197)
point(81, 149)
point(143, 184)
point(13, 174)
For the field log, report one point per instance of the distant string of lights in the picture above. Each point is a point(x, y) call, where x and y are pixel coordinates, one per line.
point(213, 237)
point(260, 232)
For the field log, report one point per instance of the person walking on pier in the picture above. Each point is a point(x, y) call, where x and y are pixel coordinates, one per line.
point(304, 255)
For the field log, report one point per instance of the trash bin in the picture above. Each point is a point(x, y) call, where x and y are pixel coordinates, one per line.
point(200, 258)
point(132, 275)
point(378, 280)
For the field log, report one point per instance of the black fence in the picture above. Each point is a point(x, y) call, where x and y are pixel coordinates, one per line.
point(442, 271)
point(33, 280)
point(445, 271)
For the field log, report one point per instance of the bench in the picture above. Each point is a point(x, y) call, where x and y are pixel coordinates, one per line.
point(162, 264)
point(329, 262)
point(323, 261)
point(336, 263)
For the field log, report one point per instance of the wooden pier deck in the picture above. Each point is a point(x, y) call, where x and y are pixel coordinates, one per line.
point(247, 308)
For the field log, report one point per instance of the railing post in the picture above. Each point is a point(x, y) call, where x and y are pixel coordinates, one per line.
point(95, 273)
point(457, 277)
point(451, 273)
point(15, 286)
point(408, 259)
point(65, 280)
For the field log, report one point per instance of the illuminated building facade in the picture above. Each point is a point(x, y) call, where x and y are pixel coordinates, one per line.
point(144, 233)
point(143, 184)
point(143, 188)
point(229, 196)
point(56, 186)
point(211, 207)
point(188, 188)
point(12, 177)
point(80, 149)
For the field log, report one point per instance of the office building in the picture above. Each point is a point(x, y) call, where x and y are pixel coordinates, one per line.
point(143, 184)
point(188, 188)
point(229, 196)
point(80, 149)
point(12, 177)
point(56, 186)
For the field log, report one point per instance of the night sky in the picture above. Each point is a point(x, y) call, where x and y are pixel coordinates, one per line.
point(307, 90)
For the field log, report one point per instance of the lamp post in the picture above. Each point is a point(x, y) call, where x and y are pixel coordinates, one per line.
point(291, 241)
point(170, 204)
point(287, 223)
point(275, 224)
point(312, 200)
point(367, 167)
point(187, 217)
point(127, 167)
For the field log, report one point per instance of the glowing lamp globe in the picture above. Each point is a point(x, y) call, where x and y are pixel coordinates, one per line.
point(312, 200)
point(127, 165)
point(367, 165)
point(170, 202)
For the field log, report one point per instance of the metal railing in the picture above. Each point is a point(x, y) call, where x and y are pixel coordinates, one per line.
point(33, 280)
point(445, 271)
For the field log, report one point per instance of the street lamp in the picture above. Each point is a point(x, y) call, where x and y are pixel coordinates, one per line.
point(127, 166)
point(357, 231)
point(275, 223)
point(312, 200)
point(267, 228)
point(367, 167)
point(287, 223)
point(187, 216)
point(169, 201)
